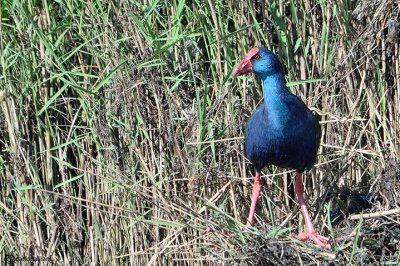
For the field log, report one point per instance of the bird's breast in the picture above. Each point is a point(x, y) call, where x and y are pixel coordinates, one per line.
point(287, 140)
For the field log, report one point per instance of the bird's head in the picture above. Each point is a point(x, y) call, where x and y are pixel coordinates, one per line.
point(260, 61)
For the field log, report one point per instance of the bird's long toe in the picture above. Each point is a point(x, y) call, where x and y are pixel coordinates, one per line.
point(319, 240)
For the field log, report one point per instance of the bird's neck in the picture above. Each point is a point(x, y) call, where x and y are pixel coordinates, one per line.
point(274, 91)
point(274, 87)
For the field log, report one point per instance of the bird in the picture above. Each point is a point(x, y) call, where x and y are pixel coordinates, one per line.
point(282, 132)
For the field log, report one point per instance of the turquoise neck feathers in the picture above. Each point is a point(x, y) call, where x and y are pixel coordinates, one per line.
point(274, 89)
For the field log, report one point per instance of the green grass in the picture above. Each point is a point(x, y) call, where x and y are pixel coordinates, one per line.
point(122, 130)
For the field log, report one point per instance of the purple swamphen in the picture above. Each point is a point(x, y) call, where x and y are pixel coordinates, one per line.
point(282, 132)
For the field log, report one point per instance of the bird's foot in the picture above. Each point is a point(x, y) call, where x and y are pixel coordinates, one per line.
point(246, 229)
point(319, 240)
point(322, 241)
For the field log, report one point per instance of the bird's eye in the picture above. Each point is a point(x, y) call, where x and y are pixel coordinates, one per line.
point(257, 57)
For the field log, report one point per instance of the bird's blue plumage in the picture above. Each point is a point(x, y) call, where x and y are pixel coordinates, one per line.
point(282, 131)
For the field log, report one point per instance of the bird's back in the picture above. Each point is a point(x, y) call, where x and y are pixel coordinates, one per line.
point(288, 139)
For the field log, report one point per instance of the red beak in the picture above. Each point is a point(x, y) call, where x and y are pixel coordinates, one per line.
point(245, 65)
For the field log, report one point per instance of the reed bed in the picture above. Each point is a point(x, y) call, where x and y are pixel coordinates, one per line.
point(122, 130)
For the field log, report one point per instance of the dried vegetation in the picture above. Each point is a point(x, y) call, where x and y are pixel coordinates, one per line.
point(121, 131)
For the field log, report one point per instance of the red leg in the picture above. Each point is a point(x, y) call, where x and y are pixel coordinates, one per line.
point(310, 233)
point(254, 197)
